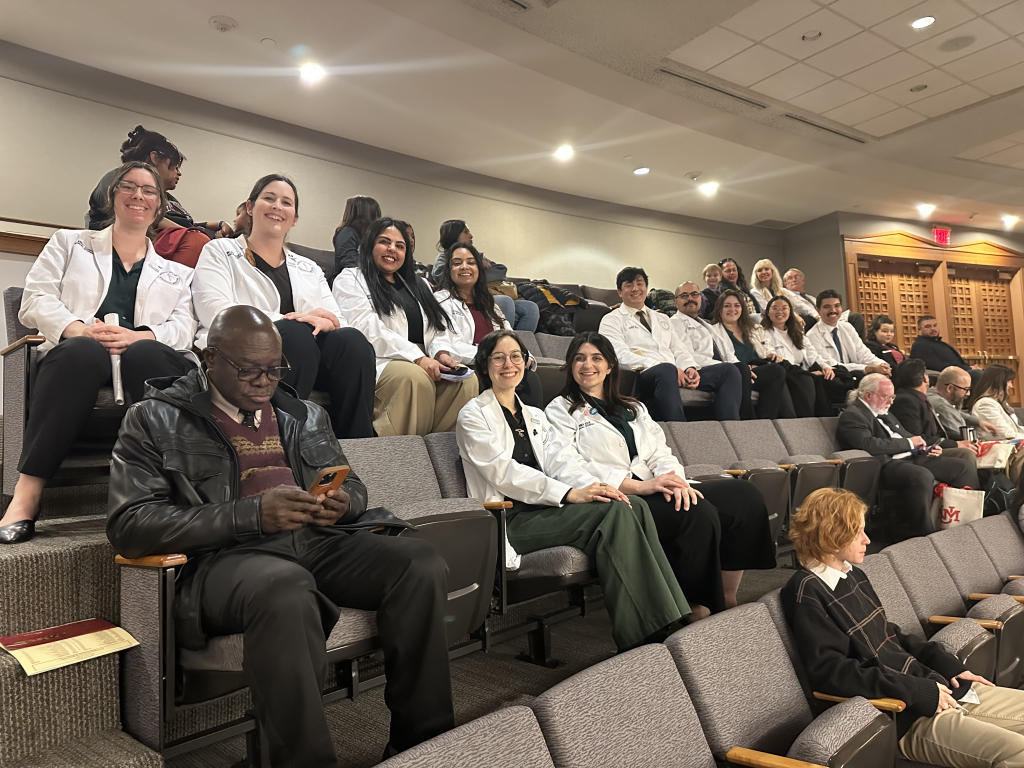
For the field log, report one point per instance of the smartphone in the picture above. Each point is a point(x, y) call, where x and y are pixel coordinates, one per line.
point(329, 479)
point(928, 448)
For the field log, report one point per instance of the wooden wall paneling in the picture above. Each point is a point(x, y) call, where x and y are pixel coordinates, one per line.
point(941, 309)
point(914, 298)
point(874, 291)
point(963, 330)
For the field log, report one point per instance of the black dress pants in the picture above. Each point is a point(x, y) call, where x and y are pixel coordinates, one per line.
point(282, 595)
point(743, 517)
point(770, 385)
point(810, 398)
point(67, 382)
point(341, 363)
point(658, 389)
point(912, 480)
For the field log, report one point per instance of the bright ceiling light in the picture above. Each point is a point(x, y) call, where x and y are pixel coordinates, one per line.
point(564, 152)
point(312, 73)
point(1009, 221)
point(925, 209)
point(924, 21)
point(708, 188)
point(642, 171)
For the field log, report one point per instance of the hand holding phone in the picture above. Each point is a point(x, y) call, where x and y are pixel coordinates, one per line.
point(329, 479)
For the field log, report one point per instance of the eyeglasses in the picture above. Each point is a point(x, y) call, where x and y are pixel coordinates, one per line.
point(886, 399)
point(690, 295)
point(129, 187)
point(498, 359)
point(965, 390)
point(276, 373)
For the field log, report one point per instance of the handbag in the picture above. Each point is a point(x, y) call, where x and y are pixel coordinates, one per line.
point(994, 455)
point(956, 506)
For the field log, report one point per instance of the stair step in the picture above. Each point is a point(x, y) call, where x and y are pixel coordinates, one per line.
point(107, 749)
point(66, 573)
point(45, 711)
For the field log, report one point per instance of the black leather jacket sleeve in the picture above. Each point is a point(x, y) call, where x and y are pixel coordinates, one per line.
point(150, 512)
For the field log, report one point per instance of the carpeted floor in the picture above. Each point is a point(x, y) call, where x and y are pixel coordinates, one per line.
point(481, 683)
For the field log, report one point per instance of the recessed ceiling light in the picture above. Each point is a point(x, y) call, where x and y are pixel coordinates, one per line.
point(1009, 221)
point(269, 42)
point(564, 152)
point(641, 171)
point(312, 73)
point(918, 88)
point(708, 188)
point(925, 209)
point(628, 157)
point(810, 35)
point(693, 175)
point(924, 21)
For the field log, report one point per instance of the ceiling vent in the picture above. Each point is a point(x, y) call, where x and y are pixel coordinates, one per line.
point(774, 224)
point(715, 88)
point(813, 124)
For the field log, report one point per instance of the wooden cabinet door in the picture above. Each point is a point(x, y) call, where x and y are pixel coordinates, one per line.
point(899, 290)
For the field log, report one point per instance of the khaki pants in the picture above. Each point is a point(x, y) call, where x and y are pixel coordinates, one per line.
point(989, 734)
point(408, 402)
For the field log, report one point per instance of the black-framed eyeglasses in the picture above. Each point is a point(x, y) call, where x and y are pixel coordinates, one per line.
point(965, 390)
point(129, 187)
point(690, 295)
point(275, 373)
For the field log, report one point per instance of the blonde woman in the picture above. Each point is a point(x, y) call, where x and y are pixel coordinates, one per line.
point(766, 285)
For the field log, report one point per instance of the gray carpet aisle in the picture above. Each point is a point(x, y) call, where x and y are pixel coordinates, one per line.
point(481, 683)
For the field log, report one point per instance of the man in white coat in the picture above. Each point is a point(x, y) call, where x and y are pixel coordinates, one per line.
point(645, 340)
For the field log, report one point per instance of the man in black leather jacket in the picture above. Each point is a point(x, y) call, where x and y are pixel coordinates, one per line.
point(275, 565)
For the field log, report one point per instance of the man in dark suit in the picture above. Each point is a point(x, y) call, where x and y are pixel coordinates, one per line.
point(914, 412)
point(909, 467)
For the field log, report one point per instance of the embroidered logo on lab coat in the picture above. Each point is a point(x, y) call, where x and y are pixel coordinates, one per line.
point(169, 277)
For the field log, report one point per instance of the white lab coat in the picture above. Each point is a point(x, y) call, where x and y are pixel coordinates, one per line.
point(758, 339)
point(463, 349)
point(783, 346)
point(699, 332)
point(636, 347)
point(989, 409)
point(224, 278)
point(856, 355)
point(389, 335)
point(603, 448)
point(69, 280)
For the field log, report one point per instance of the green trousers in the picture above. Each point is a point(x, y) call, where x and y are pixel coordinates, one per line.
point(640, 590)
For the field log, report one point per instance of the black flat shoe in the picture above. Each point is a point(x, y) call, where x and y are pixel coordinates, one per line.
point(17, 533)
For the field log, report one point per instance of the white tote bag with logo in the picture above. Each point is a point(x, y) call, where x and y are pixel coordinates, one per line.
point(956, 506)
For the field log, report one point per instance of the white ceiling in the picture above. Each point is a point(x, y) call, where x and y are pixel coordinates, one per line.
point(459, 84)
point(1008, 151)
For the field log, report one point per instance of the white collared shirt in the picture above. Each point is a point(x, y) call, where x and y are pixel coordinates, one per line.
point(830, 575)
point(893, 434)
point(231, 411)
point(856, 356)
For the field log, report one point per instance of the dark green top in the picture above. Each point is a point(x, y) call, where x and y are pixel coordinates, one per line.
point(121, 292)
point(619, 417)
point(744, 352)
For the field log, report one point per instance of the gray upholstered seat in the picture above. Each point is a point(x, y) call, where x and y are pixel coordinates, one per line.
point(1001, 537)
point(554, 347)
point(701, 442)
point(629, 710)
point(967, 561)
point(804, 436)
point(508, 738)
point(530, 340)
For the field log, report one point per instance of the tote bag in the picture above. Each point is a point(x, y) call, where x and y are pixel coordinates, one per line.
point(956, 506)
point(994, 455)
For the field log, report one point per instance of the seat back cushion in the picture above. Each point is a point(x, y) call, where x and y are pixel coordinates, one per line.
point(443, 450)
point(925, 579)
point(12, 306)
point(396, 471)
point(629, 706)
point(554, 346)
point(530, 340)
point(804, 436)
point(830, 424)
point(607, 296)
point(741, 681)
point(773, 601)
point(701, 442)
point(966, 560)
point(756, 439)
point(898, 608)
point(508, 738)
point(1001, 538)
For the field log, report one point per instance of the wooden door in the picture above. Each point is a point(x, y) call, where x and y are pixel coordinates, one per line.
point(897, 289)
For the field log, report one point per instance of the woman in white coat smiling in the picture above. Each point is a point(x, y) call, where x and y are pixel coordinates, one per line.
point(510, 451)
point(258, 271)
point(806, 370)
point(410, 333)
point(80, 278)
point(710, 533)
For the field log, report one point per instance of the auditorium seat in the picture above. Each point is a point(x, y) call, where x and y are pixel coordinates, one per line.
point(1003, 541)
point(530, 340)
point(324, 258)
point(859, 470)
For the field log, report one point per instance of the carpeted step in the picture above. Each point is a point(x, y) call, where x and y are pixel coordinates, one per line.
point(66, 573)
point(43, 712)
point(70, 501)
point(108, 749)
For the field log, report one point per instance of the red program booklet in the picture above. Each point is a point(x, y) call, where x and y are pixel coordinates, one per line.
point(44, 649)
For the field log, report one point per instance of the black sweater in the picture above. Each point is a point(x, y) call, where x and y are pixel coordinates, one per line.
point(850, 648)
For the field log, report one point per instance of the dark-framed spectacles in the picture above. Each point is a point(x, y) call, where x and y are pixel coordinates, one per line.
point(498, 358)
point(965, 390)
point(690, 295)
point(129, 187)
point(275, 373)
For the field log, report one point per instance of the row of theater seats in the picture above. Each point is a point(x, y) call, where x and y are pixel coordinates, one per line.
point(731, 688)
point(487, 603)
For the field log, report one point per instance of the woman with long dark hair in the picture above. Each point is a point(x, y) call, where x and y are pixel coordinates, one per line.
point(79, 280)
point(990, 401)
point(323, 352)
point(410, 333)
point(806, 371)
point(462, 293)
point(734, 279)
point(181, 246)
point(711, 531)
point(360, 212)
point(510, 451)
point(881, 340)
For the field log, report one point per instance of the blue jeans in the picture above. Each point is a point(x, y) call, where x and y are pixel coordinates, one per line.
point(523, 315)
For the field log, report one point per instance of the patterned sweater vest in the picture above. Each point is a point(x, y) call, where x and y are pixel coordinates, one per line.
point(261, 456)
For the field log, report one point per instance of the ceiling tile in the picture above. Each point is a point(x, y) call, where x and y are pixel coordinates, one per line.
point(1017, 137)
point(1018, 165)
point(936, 80)
point(890, 122)
point(888, 71)
point(955, 98)
point(752, 65)
point(854, 53)
point(867, 13)
point(1009, 18)
point(833, 28)
point(992, 59)
point(713, 47)
point(1003, 81)
point(861, 110)
point(1014, 154)
point(986, 149)
point(947, 13)
point(766, 17)
point(828, 96)
point(791, 82)
point(984, 35)
point(984, 6)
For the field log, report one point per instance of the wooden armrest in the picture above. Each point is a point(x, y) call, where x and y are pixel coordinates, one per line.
point(30, 341)
point(755, 759)
point(736, 472)
point(493, 506)
point(152, 561)
point(983, 623)
point(835, 461)
point(883, 705)
point(787, 466)
point(1012, 578)
point(983, 595)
